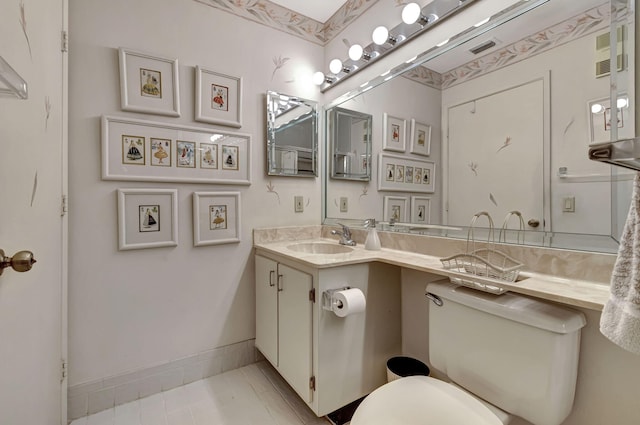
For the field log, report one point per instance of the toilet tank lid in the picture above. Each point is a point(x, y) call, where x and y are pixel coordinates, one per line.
point(516, 307)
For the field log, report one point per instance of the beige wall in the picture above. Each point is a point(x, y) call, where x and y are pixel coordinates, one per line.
point(135, 309)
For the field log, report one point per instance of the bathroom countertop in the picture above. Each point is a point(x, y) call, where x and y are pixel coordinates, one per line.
point(574, 292)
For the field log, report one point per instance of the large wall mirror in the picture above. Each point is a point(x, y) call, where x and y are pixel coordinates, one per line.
point(292, 136)
point(506, 120)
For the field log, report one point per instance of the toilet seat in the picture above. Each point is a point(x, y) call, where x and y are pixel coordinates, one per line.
point(422, 400)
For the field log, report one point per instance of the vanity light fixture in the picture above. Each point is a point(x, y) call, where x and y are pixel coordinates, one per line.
point(386, 40)
point(381, 35)
point(319, 79)
point(336, 67)
point(412, 13)
point(356, 52)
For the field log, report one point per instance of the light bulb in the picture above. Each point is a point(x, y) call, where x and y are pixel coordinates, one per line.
point(622, 102)
point(596, 108)
point(318, 78)
point(335, 66)
point(355, 52)
point(411, 13)
point(380, 35)
point(442, 43)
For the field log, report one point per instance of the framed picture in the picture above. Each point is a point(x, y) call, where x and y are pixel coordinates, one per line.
point(395, 207)
point(402, 174)
point(216, 218)
point(161, 152)
point(209, 156)
point(186, 154)
point(140, 150)
point(149, 83)
point(420, 138)
point(394, 132)
point(147, 218)
point(420, 210)
point(218, 98)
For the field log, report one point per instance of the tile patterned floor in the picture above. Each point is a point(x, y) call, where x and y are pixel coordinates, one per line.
point(252, 395)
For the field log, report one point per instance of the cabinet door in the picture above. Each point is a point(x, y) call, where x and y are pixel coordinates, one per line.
point(267, 308)
point(295, 329)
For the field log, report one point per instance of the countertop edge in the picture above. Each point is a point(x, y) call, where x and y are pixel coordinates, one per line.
point(573, 292)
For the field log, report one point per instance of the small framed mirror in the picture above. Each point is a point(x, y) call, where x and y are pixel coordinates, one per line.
point(350, 143)
point(292, 136)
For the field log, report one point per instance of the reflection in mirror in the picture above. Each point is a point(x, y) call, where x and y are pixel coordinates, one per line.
point(511, 122)
point(292, 136)
point(349, 135)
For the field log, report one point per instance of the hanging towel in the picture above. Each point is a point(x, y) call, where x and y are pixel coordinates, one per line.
point(620, 320)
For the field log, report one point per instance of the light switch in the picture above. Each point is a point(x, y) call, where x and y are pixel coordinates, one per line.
point(298, 203)
point(569, 204)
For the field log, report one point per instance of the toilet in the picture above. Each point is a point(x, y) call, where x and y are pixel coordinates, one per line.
point(504, 356)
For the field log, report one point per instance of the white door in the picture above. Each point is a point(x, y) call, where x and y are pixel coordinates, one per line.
point(32, 181)
point(498, 142)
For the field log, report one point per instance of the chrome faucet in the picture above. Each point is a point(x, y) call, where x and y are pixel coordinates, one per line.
point(345, 236)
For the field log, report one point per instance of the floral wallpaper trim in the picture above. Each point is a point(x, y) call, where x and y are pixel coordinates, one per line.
point(344, 16)
point(592, 20)
point(283, 19)
point(423, 75)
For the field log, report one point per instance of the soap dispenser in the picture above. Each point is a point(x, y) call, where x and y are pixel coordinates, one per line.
point(373, 241)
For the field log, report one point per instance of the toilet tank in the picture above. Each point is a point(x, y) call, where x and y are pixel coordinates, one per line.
point(516, 352)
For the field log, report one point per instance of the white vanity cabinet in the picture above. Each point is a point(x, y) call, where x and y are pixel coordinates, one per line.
point(329, 361)
point(284, 322)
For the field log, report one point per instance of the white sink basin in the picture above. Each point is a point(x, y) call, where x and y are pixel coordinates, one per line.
point(320, 248)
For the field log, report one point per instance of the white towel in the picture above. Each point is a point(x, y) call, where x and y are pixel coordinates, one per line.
point(620, 320)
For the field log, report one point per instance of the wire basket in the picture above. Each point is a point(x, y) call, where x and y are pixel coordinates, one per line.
point(485, 262)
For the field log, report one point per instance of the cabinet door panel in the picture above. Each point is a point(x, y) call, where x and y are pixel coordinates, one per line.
point(267, 308)
point(295, 329)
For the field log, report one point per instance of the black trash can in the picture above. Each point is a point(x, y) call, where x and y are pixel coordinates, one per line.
point(401, 366)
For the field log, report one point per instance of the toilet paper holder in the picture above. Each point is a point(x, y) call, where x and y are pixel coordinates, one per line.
point(328, 301)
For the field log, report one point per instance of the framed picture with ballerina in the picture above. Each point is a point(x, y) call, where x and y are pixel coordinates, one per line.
point(148, 83)
point(218, 98)
point(216, 218)
point(141, 150)
point(147, 218)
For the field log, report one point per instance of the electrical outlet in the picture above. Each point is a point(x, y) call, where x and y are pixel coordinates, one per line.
point(344, 204)
point(298, 202)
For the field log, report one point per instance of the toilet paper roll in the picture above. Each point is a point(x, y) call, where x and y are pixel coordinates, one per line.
point(348, 301)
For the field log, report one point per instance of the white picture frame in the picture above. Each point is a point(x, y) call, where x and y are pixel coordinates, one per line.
point(420, 138)
point(190, 165)
point(395, 207)
point(420, 210)
point(216, 218)
point(402, 174)
point(147, 218)
point(218, 98)
point(394, 133)
point(149, 83)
